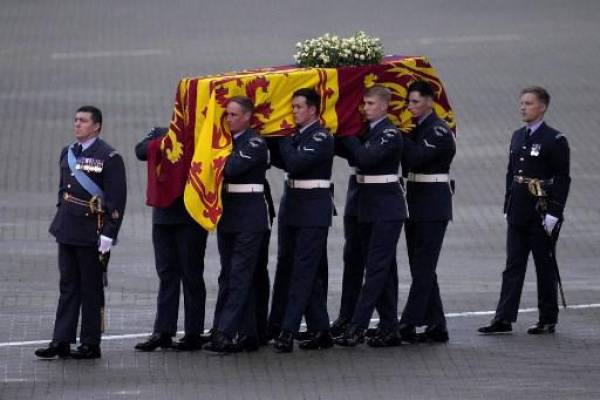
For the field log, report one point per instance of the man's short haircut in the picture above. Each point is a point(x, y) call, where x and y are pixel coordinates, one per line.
point(244, 102)
point(421, 87)
point(379, 91)
point(95, 113)
point(311, 96)
point(541, 93)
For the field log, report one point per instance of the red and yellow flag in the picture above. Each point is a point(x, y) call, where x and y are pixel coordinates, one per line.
point(189, 160)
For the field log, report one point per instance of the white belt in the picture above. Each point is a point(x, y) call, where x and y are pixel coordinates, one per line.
point(428, 178)
point(244, 188)
point(376, 178)
point(309, 183)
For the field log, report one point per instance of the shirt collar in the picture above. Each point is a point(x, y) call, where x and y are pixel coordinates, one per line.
point(237, 135)
point(535, 125)
point(424, 117)
point(373, 124)
point(86, 145)
point(302, 129)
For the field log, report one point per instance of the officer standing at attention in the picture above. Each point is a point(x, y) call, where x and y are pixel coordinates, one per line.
point(304, 217)
point(179, 245)
point(428, 153)
point(381, 212)
point(241, 232)
point(537, 186)
point(91, 200)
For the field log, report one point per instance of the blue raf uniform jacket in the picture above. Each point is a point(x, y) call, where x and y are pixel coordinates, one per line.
point(543, 155)
point(429, 149)
point(247, 164)
point(378, 152)
point(306, 155)
point(74, 224)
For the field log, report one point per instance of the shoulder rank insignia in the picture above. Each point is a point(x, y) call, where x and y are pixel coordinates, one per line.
point(431, 146)
point(245, 156)
point(256, 141)
point(440, 130)
point(319, 136)
point(304, 148)
point(113, 153)
point(390, 132)
point(559, 136)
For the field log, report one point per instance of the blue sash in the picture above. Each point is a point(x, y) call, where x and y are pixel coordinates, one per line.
point(85, 181)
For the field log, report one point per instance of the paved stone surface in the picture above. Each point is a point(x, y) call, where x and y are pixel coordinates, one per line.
point(127, 57)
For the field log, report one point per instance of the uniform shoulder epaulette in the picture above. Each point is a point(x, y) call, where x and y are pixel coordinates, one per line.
point(440, 130)
point(390, 132)
point(559, 135)
point(256, 141)
point(319, 136)
point(112, 153)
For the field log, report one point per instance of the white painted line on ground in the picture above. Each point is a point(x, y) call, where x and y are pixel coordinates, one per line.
point(374, 320)
point(113, 53)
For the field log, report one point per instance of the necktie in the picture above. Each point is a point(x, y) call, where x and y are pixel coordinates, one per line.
point(528, 131)
point(77, 149)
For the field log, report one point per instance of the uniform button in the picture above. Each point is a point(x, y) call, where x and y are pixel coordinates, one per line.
point(521, 159)
point(87, 215)
point(520, 171)
point(524, 147)
point(69, 186)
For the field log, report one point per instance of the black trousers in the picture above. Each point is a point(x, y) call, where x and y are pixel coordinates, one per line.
point(262, 286)
point(521, 240)
point(239, 253)
point(379, 241)
point(179, 255)
point(307, 294)
point(80, 288)
point(283, 276)
point(424, 304)
point(354, 269)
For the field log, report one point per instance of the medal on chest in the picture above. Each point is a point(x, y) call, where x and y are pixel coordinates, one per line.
point(535, 149)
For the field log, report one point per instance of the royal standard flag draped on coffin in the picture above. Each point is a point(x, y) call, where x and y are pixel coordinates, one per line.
point(198, 142)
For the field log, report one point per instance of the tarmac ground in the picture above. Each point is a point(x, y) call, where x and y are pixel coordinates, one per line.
point(127, 56)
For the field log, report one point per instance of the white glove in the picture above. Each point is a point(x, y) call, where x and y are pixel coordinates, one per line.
point(105, 244)
point(549, 223)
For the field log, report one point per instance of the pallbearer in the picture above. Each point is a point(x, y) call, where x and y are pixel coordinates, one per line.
point(381, 210)
point(428, 153)
point(241, 232)
point(304, 218)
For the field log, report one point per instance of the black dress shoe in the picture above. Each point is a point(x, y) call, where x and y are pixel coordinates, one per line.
point(221, 343)
point(320, 340)
point(189, 342)
point(339, 326)
point(285, 342)
point(433, 334)
point(541, 329)
point(385, 338)
point(407, 333)
point(86, 352)
point(372, 332)
point(304, 335)
point(273, 332)
point(496, 327)
point(248, 344)
point(61, 350)
point(352, 337)
point(156, 340)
